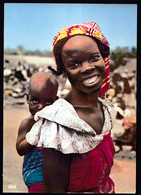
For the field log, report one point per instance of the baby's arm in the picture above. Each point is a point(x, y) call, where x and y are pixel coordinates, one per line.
point(22, 146)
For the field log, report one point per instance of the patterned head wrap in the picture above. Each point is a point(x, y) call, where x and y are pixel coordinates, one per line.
point(90, 29)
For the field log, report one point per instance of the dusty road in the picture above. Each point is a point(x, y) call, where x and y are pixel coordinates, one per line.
point(123, 171)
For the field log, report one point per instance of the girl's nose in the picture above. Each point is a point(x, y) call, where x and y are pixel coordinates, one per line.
point(86, 66)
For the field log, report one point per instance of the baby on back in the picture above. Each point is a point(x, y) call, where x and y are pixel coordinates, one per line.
point(42, 92)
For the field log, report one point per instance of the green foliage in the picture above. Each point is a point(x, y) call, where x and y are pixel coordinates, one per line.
point(21, 51)
point(118, 56)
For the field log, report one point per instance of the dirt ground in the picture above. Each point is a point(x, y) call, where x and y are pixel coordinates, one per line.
point(123, 172)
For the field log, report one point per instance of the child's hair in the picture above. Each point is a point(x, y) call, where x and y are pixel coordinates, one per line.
point(46, 77)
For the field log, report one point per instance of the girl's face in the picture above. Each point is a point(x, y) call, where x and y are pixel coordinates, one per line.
point(83, 63)
point(39, 97)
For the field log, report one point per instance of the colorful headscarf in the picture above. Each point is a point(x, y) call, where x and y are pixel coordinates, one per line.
point(90, 29)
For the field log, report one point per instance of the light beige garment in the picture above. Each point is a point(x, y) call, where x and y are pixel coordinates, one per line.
point(63, 130)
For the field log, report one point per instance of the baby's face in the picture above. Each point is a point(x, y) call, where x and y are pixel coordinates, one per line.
point(40, 97)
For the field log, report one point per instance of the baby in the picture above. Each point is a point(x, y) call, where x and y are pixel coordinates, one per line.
point(43, 88)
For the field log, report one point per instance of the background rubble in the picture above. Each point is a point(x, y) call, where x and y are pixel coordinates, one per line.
point(18, 70)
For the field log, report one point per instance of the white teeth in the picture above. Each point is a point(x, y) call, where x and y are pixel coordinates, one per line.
point(90, 81)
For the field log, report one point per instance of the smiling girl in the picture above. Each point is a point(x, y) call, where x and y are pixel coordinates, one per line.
point(76, 135)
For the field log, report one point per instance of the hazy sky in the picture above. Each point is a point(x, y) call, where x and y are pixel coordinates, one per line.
point(34, 25)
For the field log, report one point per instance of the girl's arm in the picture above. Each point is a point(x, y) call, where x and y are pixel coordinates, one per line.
point(56, 168)
point(22, 146)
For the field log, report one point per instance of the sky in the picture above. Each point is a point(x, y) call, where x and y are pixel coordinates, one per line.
point(34, 25)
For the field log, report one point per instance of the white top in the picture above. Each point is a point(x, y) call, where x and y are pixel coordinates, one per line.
point(58, 126)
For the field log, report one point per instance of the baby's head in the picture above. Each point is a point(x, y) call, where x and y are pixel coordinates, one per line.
point(43, 88)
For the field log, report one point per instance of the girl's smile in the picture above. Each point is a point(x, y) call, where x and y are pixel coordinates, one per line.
point(90, 81)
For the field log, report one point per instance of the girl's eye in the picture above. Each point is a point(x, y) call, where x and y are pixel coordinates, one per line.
point(74, 65)
point(94, 58)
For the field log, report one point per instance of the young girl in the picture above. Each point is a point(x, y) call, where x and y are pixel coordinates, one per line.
point(76, 135)
point(43, 88)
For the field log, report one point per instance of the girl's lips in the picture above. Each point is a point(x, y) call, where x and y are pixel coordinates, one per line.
point(90, 81)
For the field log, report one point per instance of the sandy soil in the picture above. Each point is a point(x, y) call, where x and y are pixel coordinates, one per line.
point(12, 162)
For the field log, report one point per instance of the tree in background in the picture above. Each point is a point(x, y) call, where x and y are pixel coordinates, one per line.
point(20, 50)
point(118, 56)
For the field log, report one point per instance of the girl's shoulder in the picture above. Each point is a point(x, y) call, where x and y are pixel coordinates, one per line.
point(106, 102)
point(109, 112)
